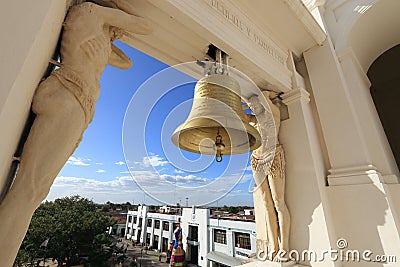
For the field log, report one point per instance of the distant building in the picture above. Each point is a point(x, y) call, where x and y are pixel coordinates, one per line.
point(170, 210)
point(248, 211)
point(215, 240)
point(153, 229)
point(120, 223)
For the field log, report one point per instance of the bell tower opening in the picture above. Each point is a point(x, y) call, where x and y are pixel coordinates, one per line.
point(385, 91)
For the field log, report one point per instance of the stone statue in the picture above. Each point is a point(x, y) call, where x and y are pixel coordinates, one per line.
point(64, 104)
point(272, 215)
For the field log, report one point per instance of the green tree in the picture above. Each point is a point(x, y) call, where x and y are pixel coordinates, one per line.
point(74, 230)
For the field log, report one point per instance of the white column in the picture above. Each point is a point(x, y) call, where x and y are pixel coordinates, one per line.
point(348, 146)
point(362, 179)
point(171, 232)
point(305, 193)
point(230, 241)
point(131, 230)
point(151, 233)
point(127, 226)
point(135, 233)
point(144, 230)
point(211, 239)
point(368, 120)
point(161, 235)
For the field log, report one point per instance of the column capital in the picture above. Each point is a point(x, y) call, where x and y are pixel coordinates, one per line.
point(296, 95)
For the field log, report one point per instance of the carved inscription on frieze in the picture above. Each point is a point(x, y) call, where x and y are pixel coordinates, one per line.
point(247, 30)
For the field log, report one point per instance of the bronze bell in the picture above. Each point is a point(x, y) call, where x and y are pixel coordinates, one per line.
point(217, 124)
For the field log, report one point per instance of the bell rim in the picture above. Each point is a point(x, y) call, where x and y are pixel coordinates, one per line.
point(190, 125)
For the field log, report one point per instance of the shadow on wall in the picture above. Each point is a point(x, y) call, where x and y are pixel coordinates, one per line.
point(360, 213)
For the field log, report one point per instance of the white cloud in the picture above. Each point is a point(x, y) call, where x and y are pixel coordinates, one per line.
point(153, 160)
point(236, 191)
point(151, 179)
point(248, 168)
point(188, 179)
point(178, 171)
point(148, 178)
point(92, 184)
point(119, 163)
point(169, 188)
point(245, 178)
point(78, 161)
point(100, 171)
point(120, 189)
point(162, 170)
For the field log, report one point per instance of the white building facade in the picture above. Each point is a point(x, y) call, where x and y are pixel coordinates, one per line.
point(150, 228)
point(207, 241)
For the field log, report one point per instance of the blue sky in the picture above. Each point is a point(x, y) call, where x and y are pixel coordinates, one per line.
point(98, 170)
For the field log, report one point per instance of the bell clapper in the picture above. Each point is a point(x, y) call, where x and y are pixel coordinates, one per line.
point(219, 146)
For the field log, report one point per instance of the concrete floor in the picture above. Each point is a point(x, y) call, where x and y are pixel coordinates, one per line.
point(143, 257)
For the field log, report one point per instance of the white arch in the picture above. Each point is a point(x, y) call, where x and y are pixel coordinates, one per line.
point(371, 28)
point(346, 24)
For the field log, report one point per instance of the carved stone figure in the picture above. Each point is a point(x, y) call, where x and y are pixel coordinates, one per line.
point(272, 215)
point(64, 104)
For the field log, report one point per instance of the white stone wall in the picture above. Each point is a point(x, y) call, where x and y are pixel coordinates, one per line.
point(231, 226)
point(30, 31)
point(201, 219)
